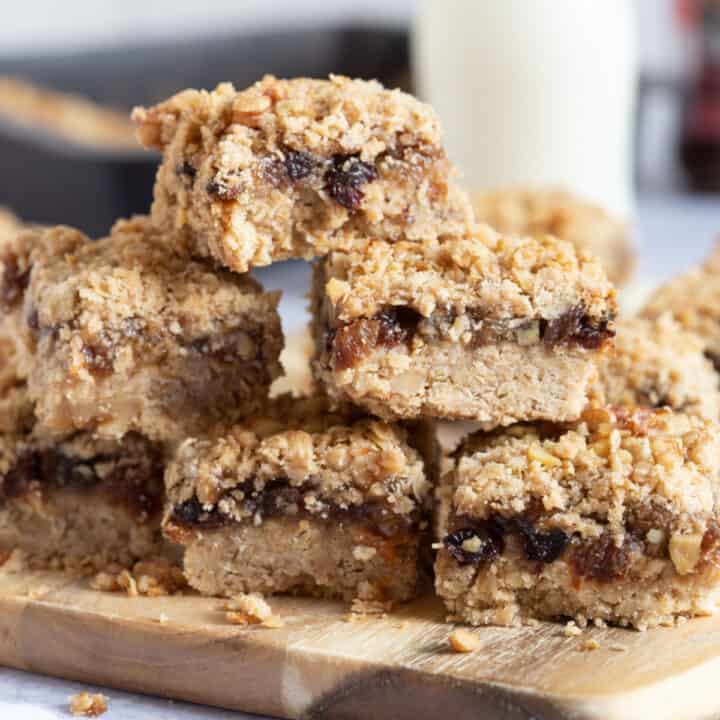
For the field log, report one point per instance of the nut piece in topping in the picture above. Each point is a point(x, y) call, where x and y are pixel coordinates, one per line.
point(295, 168)
point(88, 704)
point(406, 330)
point(623, 529)
point(464, 641)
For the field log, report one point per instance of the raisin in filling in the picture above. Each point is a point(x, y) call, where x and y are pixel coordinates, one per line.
point(345, 180)
point(14, 283)
point(478, 544)
point(714, 358)
point(134, 482)
point(299, 165)
point(576, 326)
point(389, 328)
point(399, 324)
point(480, 541)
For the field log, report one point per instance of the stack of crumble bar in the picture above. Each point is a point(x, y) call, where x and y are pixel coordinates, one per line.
point(135, 410)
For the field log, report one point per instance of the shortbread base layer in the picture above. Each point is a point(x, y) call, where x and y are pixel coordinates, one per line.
point(495, 385)
point(344, 560)
point(77, 528)
point(511, 591)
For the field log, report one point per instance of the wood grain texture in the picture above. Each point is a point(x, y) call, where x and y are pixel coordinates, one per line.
point(321, 666)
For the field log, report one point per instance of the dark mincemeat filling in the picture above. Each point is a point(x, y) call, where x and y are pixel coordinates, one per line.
point(714, 358)
point(343, 176)
point(597, 558)
point(12, 284)
point(134, 483)
point(398, 325)
point(278, 499)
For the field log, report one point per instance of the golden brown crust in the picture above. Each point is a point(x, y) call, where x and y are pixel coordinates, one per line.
point(335, 463)
point(294, 168)
point(528, 211)
point(504, 277)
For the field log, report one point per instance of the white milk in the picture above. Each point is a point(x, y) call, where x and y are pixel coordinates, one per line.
point(533, 92)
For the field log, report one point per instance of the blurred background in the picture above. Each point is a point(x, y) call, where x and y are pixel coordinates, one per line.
point(618, 101)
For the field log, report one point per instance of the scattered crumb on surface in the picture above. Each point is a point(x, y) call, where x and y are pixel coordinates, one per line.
point(155, 577)
point(360, 606)
point(463, 641)
point(163, 618)
point(571, 630)
point(251, 609)
point(618, 648)
point(599, 623)
point(88, 704)
point(590, 644)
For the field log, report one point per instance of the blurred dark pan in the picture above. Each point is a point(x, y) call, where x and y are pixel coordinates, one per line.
point(46, 178)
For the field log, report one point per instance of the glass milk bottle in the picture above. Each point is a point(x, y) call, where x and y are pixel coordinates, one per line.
point(533, 92)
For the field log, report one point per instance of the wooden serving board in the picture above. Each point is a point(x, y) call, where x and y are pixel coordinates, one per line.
point(319, 665)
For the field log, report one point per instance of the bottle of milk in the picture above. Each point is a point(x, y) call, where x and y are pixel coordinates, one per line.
point(534, 92)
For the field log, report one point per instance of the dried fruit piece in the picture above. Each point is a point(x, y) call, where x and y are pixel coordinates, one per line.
point(88, 704)
point(464, 641)
point(477, 544)
point(345, 180)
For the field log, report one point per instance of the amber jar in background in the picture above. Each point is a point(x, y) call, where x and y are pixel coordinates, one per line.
point(700, 146)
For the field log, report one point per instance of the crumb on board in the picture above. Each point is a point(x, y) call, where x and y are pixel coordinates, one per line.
point(616, 647)
point(251, 609)
point(163, 618)
point(359, 606)
point(571, 629)
point(88, 704)
point(463, 641)
point(590, 644)
point(154, 577)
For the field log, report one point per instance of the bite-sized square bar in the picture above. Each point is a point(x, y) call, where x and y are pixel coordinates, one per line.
point(80, 502)
point(657, 363)
point(132, 335)
point(549, 211)
point(693, 299)
point(302, 501)
point(294, 168)
point(614, 518)
point(480, 327)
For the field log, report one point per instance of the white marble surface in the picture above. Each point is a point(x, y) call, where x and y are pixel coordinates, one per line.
point(673, 232)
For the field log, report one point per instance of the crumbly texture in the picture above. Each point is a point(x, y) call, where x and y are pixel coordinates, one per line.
point(133, 336)
point(528, 211)
point(408, 331)
point(611, 519)
point(88, 704)
point(657, 363)
point(83, 502)
point(315, 504)
point(20, 247)
point(693, 299)
point(69, 116)
point(294, 168)
point(151, 577)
